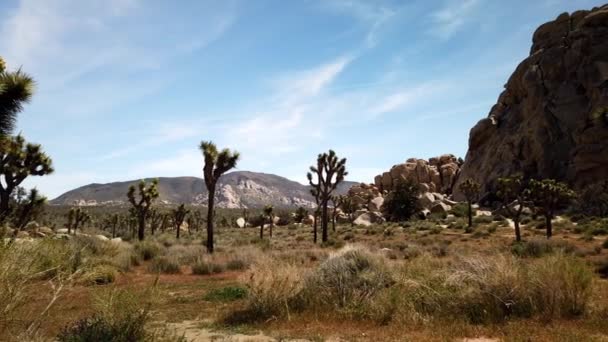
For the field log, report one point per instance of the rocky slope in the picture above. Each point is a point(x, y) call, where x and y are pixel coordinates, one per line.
point(238, 189)
point(551, 121)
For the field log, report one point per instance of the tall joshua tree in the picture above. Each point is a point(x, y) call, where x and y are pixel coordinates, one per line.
point(269, 213)
point(16, 89)
point(549, 195)
point(18, 160)
point(470, 189)
point(330, 172)
point(179, 215)
point(513, 190)
point(216, 164)
point(142, 205)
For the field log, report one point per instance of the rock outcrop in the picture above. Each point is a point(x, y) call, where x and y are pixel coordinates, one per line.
point(551, 121)
point(434, 175)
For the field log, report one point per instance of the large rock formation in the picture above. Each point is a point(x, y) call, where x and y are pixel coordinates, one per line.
point(551, 121)
point(435, 175)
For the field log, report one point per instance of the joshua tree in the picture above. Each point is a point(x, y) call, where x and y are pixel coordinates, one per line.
point(262, 220)
point(113, 222)
point(269, 213)
point(549, 195)
point(335, 202)
point(77, 218)
point(511, 190)
point(195, 220)
point(141, 206)
point(156, 218)
point(300, 214)
point(16, 89)
point(470, 189)
point(179, 215)
point(246, 216)
point(18, 160)
point(29, 209)
point(315, 215)
point(216, 164)
point(330, 172)
point(349, 207)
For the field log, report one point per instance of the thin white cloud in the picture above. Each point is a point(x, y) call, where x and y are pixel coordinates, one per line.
point(447, 20)
point(371, 13)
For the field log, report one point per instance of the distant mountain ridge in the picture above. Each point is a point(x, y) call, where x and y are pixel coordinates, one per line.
point(239, 189)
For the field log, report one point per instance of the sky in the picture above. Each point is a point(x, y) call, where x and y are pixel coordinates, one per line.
point(127, 89)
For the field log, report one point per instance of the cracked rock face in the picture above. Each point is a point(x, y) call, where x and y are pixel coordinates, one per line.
point(551, 121)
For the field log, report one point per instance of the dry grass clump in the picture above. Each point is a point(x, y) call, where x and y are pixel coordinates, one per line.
point(206, 266)
point(148, 249)
point(350, 278)
point(165, 264)
point(273, 291)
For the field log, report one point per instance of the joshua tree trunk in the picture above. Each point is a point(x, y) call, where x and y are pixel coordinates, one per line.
point(324, 223)
point(177, 231)
point(271, 225)
point(314, 229)
point(142, 228)
point(262, 231)
point(210, 219)
point(4, 204)
point(549, 225)
point(470, 213)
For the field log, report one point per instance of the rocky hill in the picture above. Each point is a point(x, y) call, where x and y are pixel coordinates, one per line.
point(551, 121)
point(238, 189)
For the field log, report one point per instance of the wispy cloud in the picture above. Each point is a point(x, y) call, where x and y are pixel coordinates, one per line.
point(373, 14)
point(447, 20)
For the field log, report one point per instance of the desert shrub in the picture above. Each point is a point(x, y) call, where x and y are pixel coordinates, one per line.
point(186, 254)
point(148, 249)
point(489, 290)
point(93, 246)
point(348, 236)
point(99, 275)
point(206, 267)
point(120, 316)
point(226, 294)
point(164, 264)
point(350, 278)
point(483, 219)
point(462, 210)
point(236, 264)
point(560, 286)
point(459, 223)
point(605, 244)
point(402, 203)
point(273, 289)
point(536, 248)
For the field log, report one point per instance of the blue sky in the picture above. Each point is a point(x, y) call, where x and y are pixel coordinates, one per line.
point(128, 88)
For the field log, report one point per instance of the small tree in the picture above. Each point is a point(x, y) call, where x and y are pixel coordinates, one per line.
point(470, 189)
point(348, 207)
point(401, 203)
point(328, 167)
point(29, 209)
point(548, 195)
point(300, 214)
point(316, 194)
point(513, 190)
point(142, 205)
point(269, 213)
point(262, 220)
point(179, 215)
point(195, 220)
point(18, 160)
point(155, 217)
point(77, 218)
point(112, 222)
point(216, 164)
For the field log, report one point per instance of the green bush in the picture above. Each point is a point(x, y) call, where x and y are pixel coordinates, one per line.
point(226, 294)
point(402, 203)
point(462, 210)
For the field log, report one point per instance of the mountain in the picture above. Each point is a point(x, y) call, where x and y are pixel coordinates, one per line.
point(551, 120)
point(237, 189)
